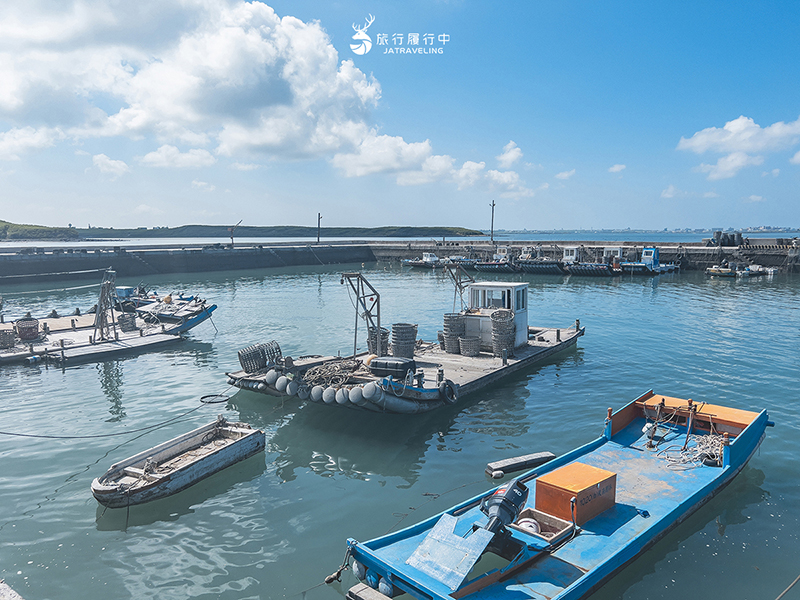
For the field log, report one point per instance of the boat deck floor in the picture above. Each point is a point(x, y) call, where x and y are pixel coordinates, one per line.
point(645, 482)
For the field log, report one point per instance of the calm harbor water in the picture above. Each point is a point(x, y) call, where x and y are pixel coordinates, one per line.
point(275, 525)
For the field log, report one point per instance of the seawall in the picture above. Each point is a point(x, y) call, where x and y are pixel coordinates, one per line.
point(76, 261)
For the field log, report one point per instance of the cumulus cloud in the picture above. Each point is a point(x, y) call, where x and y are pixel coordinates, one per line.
point(728, 166)
point(669, 192)
point(228, 74)
point(795, 160)
point(511, 154)
point(19, 140)
point(112, 167)
point(169, 157)
point(203, 185)
point(244, 166)
point(616, 168)
point(565, 174)
point(381, 154)
point(755, 198)
point(510, 184)
point(434, 168)
point(774, 173)
point(739, 140)
point(469, 174)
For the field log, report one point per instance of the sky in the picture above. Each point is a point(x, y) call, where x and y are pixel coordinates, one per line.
point(565, 114)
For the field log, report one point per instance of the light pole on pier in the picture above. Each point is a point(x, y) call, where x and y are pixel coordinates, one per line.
point(319, 220)
point(491, 234)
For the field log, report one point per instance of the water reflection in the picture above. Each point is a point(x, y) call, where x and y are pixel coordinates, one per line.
point(111, 384)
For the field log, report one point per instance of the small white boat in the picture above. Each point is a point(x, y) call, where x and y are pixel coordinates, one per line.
point(177, 464)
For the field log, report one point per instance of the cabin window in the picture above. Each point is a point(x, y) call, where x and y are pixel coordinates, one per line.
point(496, 299)
point(648, 254)
point(521, 299)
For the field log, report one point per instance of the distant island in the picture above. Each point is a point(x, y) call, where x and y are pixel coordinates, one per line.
point(12, 231)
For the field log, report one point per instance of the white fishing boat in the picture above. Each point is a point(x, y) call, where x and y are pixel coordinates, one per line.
point(177, 464)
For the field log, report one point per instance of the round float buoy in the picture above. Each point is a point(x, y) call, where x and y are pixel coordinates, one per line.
point(372, 579)
point(359, 570)
point(272, 377)
point(357, 395)
point(316, 393)
point(280, 384)
point(329, 395)
point(370, 390)
point(292, 387)
point(385, 587)
point(231, 381)
point(498, 474)
point(447, 390)
point(262, 386)
point(302, 393)
point(342, 396)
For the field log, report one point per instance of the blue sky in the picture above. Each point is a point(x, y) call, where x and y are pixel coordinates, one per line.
point(566, 114)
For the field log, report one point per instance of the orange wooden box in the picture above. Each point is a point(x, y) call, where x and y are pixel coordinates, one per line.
point(594, 491)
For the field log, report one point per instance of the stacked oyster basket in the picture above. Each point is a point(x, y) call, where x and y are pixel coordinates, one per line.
point(372, 341)
point(469, 346)
point(404, 339)
point(455, 326)
point(503, 332)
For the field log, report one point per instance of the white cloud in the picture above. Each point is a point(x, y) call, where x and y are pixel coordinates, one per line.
point(774, 173)
point(711, 195)
point(795, 160)
point(107, 165)
point(565, 174)
point(232, 74)
point(244, 166)
point(382, 154)
point(669, 192)
point(511, 184)
point(728, 166)
point(743, 135)
point(434, 168)
point(616, 168)
point(511, 154)
point(170, 157)
point(755, 198)
point(202, 185)
point(469, 174)
point(19, 140)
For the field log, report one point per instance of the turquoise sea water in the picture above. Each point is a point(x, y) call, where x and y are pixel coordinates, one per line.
point(275, 525)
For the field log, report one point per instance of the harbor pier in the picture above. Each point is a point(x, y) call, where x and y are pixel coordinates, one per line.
point(18, 264)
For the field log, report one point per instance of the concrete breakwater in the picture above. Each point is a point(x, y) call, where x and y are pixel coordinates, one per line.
point(21, 264)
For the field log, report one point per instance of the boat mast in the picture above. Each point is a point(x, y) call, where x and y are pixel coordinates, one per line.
point(491, 234)
point(368, 306)
point(105, 307)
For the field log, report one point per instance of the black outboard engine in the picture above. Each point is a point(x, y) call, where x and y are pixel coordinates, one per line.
point(503, 507)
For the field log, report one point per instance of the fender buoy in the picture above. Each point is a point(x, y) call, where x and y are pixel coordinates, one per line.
point(447, 390)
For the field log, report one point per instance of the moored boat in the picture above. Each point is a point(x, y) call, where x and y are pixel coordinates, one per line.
point(649, 264)
point(501, 263)
point(562, 529)
point(177, 464)
point(483, 343)
point(428, 261)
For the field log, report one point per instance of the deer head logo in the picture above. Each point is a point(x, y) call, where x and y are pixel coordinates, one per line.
point(363, 42)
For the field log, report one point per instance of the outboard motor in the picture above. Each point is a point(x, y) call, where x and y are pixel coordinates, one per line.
point(503, 507)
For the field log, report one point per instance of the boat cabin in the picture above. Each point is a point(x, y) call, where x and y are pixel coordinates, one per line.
point(570, 254)
point(612, 254)
point(501, 253)
point(429, 257)
point(650, 256)
point(486, 297)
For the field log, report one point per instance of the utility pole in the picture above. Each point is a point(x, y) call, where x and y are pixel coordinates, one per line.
point(319, 220)
point(232, 229)
point(491, 235)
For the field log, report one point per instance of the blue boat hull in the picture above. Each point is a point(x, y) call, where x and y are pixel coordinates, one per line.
point(652, 497)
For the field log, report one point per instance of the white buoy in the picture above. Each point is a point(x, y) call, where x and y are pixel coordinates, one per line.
point(342, 396)
point(316, 393)
point(359, 570)
point(302, 393)
point(385, 587)
point(272, 377)
point(329, 395)
point(357, 395)
point(262, 386)
point(292, 387)
point(370, 390)
point(231, 381)
point(280, 384)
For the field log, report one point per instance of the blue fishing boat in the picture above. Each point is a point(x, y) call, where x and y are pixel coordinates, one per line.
point(428, 261)
point(649, 264)
point(560, 531)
